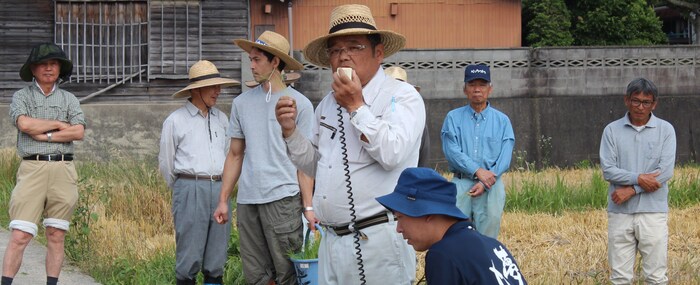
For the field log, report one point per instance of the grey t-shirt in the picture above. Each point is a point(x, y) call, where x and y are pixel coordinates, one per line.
point(267, 174)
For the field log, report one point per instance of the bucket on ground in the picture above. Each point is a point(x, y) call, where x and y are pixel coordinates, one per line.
point(307, 269)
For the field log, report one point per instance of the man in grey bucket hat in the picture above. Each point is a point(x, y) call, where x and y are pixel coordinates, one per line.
point(48, 120)
point(424, 206)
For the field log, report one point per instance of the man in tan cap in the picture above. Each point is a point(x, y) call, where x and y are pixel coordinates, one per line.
point(271, 192)
point(360, 157)
point(193, 145)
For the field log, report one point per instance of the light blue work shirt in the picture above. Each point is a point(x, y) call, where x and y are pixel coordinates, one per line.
point(626, 152)
point(472, 140)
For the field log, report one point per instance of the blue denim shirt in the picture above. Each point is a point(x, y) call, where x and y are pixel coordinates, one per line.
point(472, 140)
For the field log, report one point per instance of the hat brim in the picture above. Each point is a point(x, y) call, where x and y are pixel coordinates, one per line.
point(315, 51)
point(475, 77)
point(289, 78)
point(224, 82)
point(418, 208)
point(66, 69)
point(291, 63)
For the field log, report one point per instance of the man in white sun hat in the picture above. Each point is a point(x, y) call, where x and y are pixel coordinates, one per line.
point(193, 145)
point(271, 192)
point(362, 157)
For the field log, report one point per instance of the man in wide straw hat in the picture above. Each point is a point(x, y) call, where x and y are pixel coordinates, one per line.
point(362, 157)
point(48, 120)
point(193, 145)
point(399, 74)
point(272, 193)
point(423, 203)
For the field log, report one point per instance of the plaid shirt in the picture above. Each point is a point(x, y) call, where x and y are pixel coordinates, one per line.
point(60, 105)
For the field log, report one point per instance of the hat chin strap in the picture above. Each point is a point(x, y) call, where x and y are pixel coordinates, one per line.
point(268, 77)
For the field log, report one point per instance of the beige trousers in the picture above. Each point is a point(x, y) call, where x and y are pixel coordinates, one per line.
point(643, 232)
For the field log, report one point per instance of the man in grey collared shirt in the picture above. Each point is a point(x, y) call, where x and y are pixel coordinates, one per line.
point(637, 155)
point(193, 145)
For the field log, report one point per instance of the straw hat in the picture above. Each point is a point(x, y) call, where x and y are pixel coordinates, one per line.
point(273, 43)
point(43, 52)
point(288, 78)
point(349, 20)
point(203, 74)
point(399, 73)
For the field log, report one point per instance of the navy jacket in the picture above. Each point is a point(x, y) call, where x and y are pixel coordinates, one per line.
point(464, 256)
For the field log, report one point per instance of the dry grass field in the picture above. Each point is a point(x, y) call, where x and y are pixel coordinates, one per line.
point(571, 248)
point(127, 227)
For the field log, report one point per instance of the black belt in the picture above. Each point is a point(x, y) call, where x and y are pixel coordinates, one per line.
point(50, 157)
point(361, 224)
point(461, 175)
point(200, 177)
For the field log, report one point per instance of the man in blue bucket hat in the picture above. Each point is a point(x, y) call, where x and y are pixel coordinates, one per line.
point(424, 206)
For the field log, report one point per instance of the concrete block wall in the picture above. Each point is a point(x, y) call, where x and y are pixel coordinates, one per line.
point(564, 95)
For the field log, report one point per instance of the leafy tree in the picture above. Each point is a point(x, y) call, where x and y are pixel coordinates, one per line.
point(615, 22)
point(691, 9)
point(548, 23)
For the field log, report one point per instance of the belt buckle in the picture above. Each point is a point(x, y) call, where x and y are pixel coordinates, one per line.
point(211, 178)
point(48, 157)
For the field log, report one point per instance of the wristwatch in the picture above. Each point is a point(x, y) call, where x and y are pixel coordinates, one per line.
point(48, 136)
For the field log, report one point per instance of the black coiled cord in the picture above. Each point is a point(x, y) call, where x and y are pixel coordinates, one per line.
point(346, 165)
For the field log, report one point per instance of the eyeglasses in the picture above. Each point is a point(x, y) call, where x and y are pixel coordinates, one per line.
point(636, 103)
point(351, 50)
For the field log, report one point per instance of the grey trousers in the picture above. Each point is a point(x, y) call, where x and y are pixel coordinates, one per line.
point(200, 242)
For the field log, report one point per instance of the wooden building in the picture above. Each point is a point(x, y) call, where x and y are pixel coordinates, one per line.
point(124, 50)
point(141, 50)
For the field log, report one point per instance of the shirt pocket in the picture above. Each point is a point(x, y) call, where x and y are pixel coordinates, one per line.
point(653, 150)
point(218, 135)
point(51, 111)
point(492, 147)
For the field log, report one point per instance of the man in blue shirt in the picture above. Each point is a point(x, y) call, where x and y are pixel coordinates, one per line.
point(423, 203)
point(637, 156)
point(478, 144)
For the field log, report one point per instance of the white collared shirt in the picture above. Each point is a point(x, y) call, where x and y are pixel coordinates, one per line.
point(186, 146)
point(392, 121)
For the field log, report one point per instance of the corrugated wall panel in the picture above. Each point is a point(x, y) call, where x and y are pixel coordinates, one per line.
point(426, 24)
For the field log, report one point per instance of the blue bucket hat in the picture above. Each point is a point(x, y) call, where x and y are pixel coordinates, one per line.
point(477, 71)
point(43, 52)
point(422, 191)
